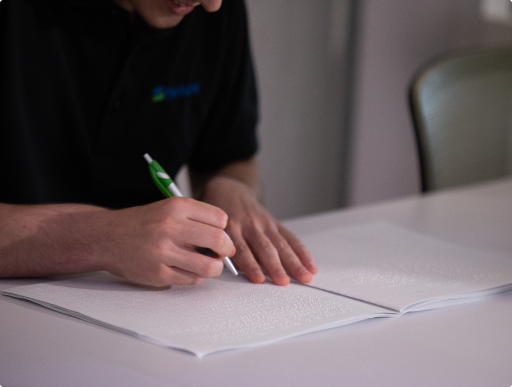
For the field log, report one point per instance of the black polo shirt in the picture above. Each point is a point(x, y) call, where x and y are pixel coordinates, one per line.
point(86, 89)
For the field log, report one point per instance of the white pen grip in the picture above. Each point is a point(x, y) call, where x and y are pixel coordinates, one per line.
point(175, 190)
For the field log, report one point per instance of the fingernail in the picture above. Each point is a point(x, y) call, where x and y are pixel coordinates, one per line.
point(280, 273)
point(302, 270)
point(225, 233)
point(257, 273)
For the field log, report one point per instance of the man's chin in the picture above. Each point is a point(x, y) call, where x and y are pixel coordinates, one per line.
point(163, 22)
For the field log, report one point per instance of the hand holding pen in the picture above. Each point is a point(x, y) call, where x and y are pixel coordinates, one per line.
point(169, 189)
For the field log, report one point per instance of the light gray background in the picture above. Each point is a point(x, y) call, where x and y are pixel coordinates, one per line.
point(321, 148)
point(396, 39)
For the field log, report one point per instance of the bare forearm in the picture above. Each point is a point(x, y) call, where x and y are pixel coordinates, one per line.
point(245, 171)
point(152, 244)
point(40, 240)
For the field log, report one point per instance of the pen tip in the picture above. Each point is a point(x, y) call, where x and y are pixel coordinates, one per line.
point(148, 158)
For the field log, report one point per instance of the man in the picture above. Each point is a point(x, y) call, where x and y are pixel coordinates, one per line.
point(87, 87)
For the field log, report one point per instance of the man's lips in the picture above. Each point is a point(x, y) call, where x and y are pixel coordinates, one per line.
point(181, 8)
point(186, 4)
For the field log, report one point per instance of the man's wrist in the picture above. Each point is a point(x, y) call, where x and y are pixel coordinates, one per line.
point(243, 171)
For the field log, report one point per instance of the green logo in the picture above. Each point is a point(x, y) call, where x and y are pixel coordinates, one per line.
point(161, 93)
point(158, 97)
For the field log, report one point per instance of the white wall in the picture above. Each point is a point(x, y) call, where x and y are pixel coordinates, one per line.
point(299, 49)
point(397, 37)
point(299, 54)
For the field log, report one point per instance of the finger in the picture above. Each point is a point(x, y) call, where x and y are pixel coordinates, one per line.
point(205, 236)
point(199, 211)
point(165, 276)
point(196, 263)
point(245, 261)
point(289, 259)
point(300, 250)
point(266, 253)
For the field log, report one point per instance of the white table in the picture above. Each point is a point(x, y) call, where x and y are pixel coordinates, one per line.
point(469, 345)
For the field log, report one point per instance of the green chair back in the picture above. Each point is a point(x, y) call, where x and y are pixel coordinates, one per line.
point(462, 111)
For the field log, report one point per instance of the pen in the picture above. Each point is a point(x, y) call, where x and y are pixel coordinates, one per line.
point(165, 184)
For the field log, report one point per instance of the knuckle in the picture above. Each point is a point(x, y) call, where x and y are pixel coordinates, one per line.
point(171, 205)
point(223, 219)
point(269, 224)
point(249, 266)
point(160, 277)
point(253, 223)
point(159, 248)
point(187, 281)
point(205, 267)
point(296, 267)
point(252, 267)
point(267, 246)
point(219, 240)
point(195, 281)
point(242, 250)
point(171, 229)
point(302, 251)
point(282, 245)
point(176, 205)
point(212, 268)
point(216, 214)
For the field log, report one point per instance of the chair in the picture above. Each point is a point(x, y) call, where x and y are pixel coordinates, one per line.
point(462, 113)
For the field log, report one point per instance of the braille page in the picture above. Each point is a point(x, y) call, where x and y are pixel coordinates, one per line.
point(396, 268)
point(219, 314)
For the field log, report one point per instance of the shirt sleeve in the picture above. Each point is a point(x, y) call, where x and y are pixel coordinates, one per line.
point(229, 133)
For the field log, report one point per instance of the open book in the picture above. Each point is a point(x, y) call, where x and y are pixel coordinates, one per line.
point(367, 271)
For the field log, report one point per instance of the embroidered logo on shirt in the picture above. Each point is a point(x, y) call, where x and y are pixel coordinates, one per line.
point(161, 93)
